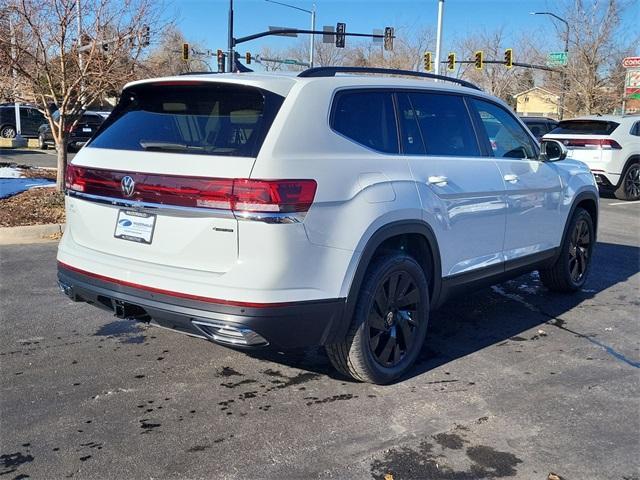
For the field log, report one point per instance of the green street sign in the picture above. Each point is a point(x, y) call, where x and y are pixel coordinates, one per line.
point(288, 61)
point(557, 59)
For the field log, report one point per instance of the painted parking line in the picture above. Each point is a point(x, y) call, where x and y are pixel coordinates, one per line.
point(622, 203)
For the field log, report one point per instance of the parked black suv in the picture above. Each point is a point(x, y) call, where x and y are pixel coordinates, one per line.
point(30, 119)
point(77, 135)
point(539, 126)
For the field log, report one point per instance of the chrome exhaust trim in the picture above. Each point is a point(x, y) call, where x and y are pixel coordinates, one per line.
point(231, 335)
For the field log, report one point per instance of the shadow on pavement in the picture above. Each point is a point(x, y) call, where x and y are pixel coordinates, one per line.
point(490, 316)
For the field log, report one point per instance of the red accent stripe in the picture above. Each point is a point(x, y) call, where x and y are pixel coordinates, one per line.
point(170, 293)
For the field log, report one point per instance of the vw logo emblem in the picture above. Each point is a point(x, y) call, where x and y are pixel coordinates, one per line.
point(128, 185)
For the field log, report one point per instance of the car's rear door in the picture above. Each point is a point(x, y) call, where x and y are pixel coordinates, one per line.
point(155, 184)
point(460, 190)
point(532, 188)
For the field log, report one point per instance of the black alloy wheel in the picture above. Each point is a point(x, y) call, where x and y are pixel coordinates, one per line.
point(632, 182)
point(579, 251)
point(393, 317)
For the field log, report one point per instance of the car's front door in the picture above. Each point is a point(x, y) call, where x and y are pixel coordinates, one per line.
point(460, 190)
point(532, 188)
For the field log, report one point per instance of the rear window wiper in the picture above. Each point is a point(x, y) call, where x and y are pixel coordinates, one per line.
point(172, 146)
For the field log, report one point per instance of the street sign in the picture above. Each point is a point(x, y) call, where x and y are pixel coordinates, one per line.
point(329, 34)
point(631, 62)
point(632, 84)
point(557, 59)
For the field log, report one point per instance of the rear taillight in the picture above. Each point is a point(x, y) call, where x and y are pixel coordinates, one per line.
point(273, 195)
point(604, 143)
point(239, 195)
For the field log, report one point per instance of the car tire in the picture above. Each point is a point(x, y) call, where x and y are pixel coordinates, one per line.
point(569, 273)
point(629, 188)
point(389, 322)
point(8, 131)
point(41, 143)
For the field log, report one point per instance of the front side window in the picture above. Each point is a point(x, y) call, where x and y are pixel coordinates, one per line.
point(188, 117)
point(368, 118)
point(445, 124)
point(503, 132)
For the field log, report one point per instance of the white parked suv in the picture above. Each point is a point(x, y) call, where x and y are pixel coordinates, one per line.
point(610, 145)
point(325, 208)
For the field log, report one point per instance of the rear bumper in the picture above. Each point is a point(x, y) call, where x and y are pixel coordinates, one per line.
point(290, 325)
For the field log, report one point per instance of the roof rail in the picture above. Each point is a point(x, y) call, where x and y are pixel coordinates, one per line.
point(331, 72)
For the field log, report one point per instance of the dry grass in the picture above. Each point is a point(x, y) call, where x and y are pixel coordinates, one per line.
point(37, 206)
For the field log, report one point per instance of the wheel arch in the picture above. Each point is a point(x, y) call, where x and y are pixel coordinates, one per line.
point(589, 201)
point(418, 239)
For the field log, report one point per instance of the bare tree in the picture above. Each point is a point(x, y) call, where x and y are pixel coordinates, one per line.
point(597, 44)
point(496, 79)
point(52, 67)
point(166, 58)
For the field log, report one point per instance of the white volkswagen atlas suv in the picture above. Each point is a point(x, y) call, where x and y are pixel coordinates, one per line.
point(337, 207)
point(610, 146)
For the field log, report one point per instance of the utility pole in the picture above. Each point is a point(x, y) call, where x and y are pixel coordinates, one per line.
point(230, 56)
point(563, 75)
point(439, 36)
point(312, 12)
point(18, 137)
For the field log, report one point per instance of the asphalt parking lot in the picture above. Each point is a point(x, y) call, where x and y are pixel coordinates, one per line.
point(30, 157)
point(514, 382)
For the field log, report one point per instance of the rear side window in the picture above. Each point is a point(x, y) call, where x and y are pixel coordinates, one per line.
point(585, 127)
point(367, 118)
point(189, 117)
point(537, 128)
point(445, 124)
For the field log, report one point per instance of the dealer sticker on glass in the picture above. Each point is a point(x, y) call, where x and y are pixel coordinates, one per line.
point(135, 226)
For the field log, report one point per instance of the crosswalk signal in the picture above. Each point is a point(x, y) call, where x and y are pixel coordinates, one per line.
point(341, 28)
point(479, 60)
point(428, 64)
point(508, 57)
point(220, 55)
point(451, 62)
point(388, 38)
point(185, 51)
point(247, 57)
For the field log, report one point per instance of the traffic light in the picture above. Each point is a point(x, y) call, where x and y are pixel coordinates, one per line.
point(479, 60)
point(451, 62)
point(185, 51)
point(146, 35)
point(340, 29)
point(220, 56)
point(388, 38)
point(508, 57)
point(428, 64)
point(247, 57)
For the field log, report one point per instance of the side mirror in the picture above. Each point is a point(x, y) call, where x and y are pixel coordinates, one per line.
point(552, 150)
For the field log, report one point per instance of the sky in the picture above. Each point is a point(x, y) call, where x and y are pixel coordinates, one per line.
point(205, 21)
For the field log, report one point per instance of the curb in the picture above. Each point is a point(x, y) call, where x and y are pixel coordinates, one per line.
point(31, 234)
point(12, 143)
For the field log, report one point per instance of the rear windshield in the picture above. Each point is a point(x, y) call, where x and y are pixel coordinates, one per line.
point(585, 127)
point(189, 117)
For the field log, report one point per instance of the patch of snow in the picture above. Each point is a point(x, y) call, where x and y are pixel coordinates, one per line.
point(14, 186)
point(10, 172)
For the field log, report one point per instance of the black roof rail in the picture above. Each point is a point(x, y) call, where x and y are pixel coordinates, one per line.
point(196, 73)
point(331, 72)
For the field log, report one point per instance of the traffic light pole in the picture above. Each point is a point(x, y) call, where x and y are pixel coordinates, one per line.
point(284, 31)
point(231, 40)
point(500, 62)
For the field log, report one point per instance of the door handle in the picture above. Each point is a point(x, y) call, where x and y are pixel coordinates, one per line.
point(510, 177)
point(438, 180)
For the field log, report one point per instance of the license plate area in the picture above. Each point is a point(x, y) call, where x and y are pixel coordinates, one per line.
point(135, 226)
point(86, 130)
